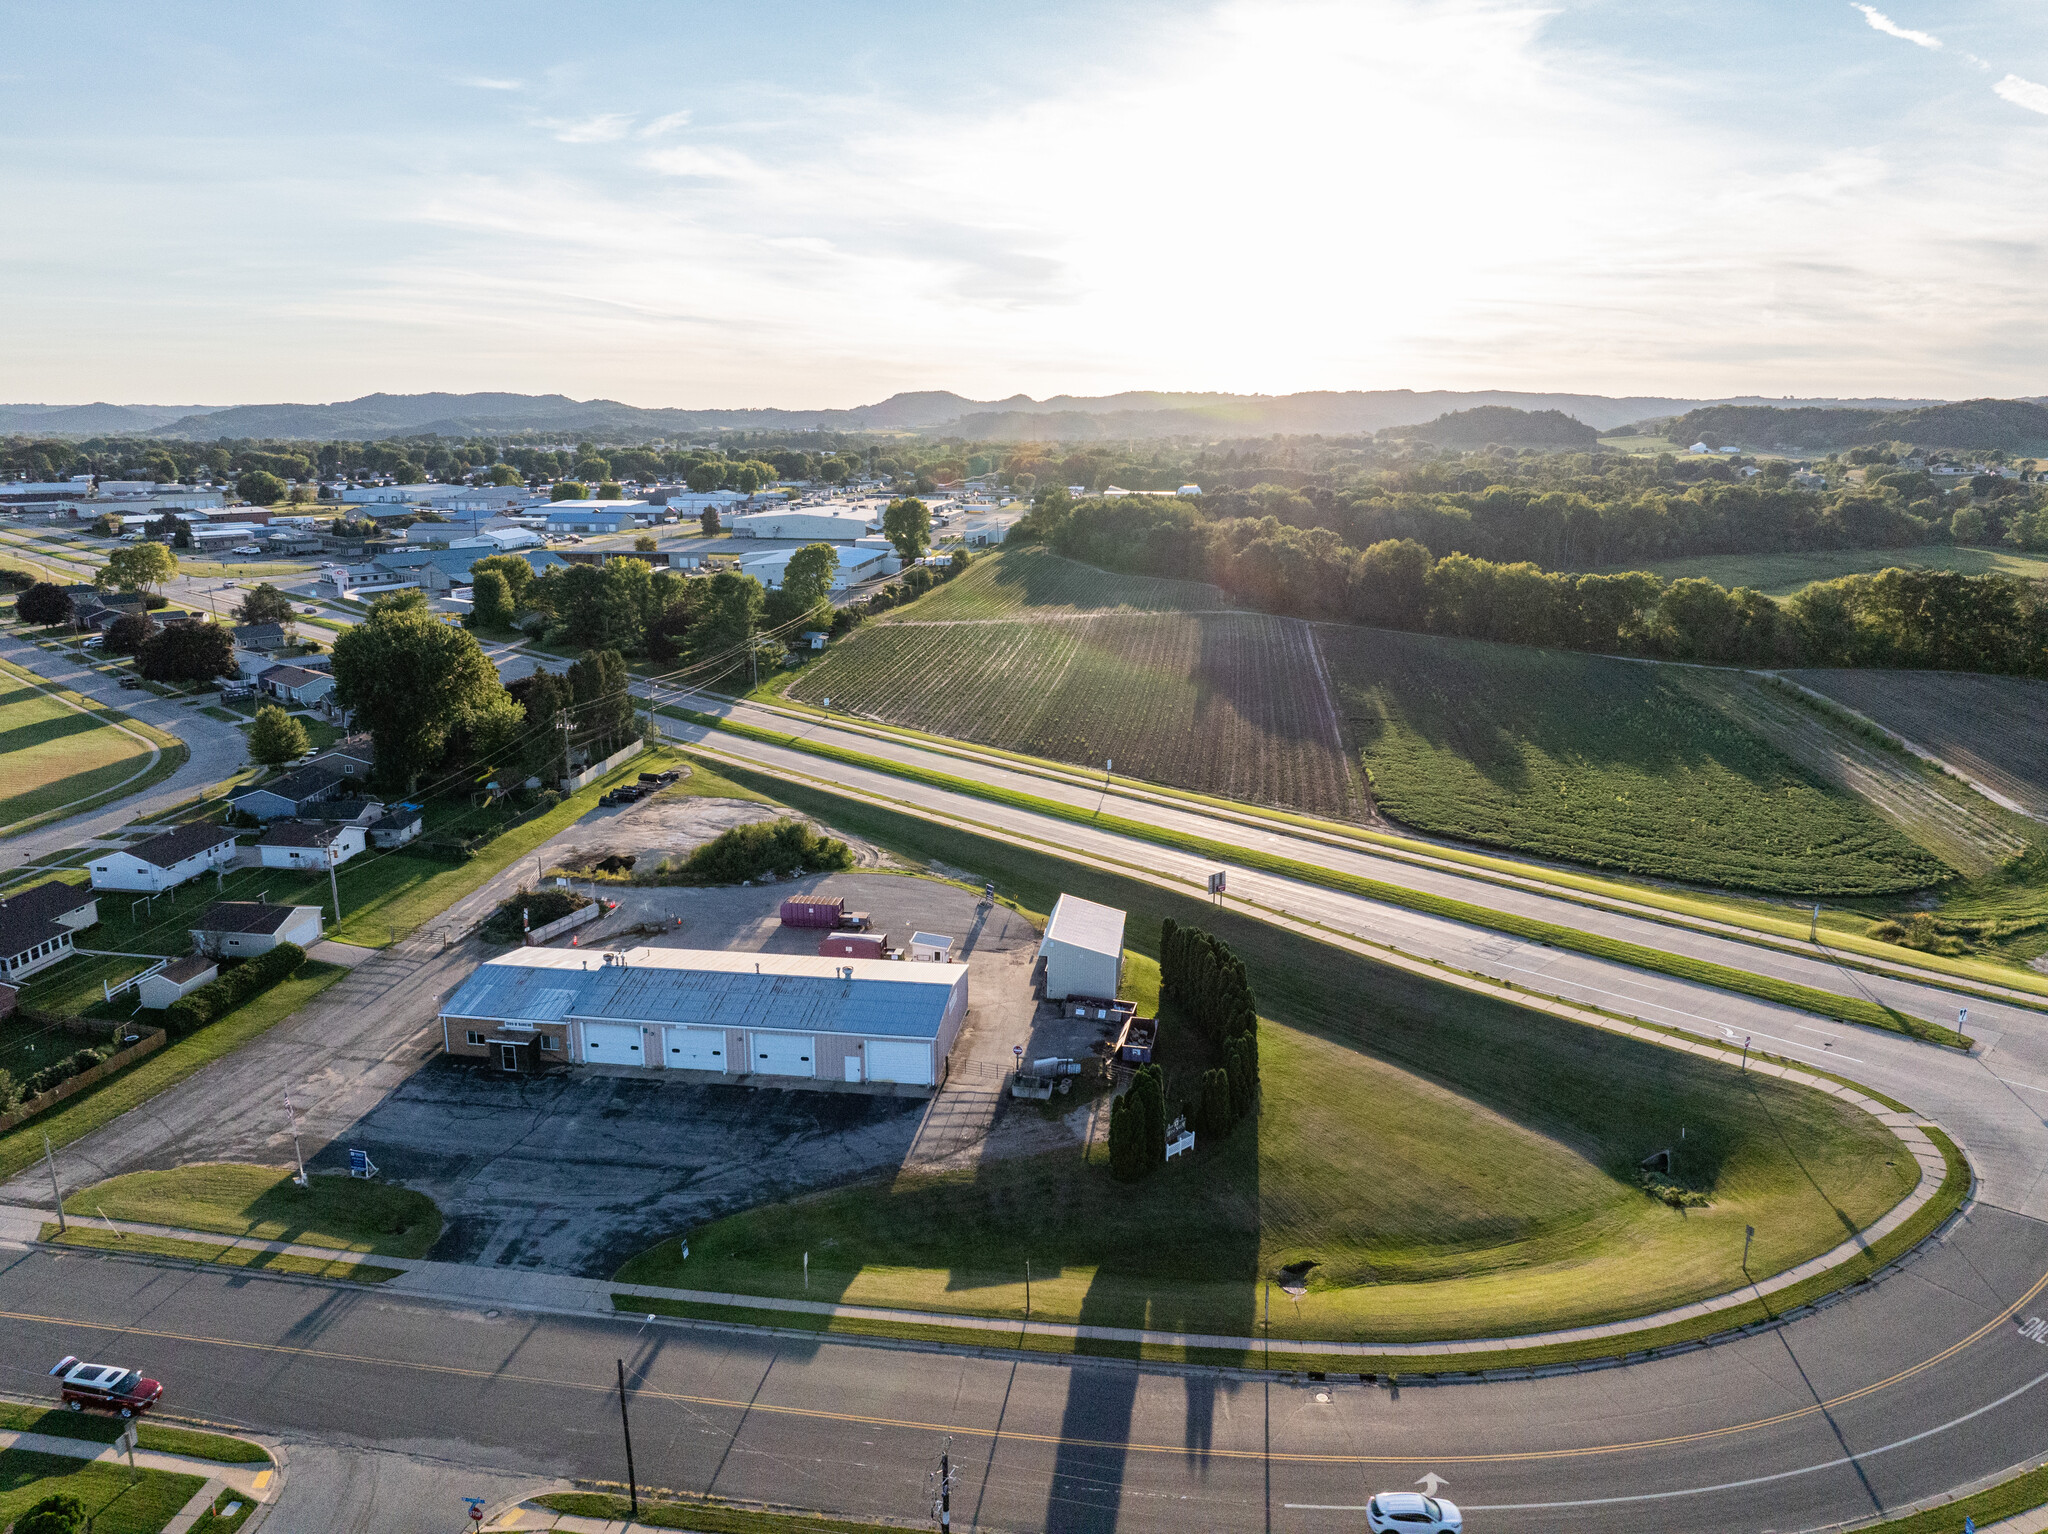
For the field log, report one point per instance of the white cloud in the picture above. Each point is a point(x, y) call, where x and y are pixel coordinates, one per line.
point(485, 83)
point(1890, 28)
point(695, 160)
point(668, 124)
point(600, 129)
point(2023, 93)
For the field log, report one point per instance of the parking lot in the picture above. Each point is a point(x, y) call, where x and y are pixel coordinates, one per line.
point(577, 1169)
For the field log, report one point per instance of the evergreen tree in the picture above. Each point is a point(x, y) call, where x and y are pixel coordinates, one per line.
point(1120, 1138)
point(1214, 1118)
point(1148, 1093)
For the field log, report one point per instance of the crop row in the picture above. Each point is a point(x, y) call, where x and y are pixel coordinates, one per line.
point(1027, 582)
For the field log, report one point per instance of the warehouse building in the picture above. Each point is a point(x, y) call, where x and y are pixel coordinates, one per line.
point(773, 1019)
point(1082, 953)
point(813, 524)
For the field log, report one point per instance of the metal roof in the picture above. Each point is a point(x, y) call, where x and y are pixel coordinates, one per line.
point(785, 992)
point(1083, 924)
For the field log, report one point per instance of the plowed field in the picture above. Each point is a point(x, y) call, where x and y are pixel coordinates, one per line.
point(1222, 703)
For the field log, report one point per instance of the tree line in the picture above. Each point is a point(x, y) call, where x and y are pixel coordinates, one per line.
point(1911, 618)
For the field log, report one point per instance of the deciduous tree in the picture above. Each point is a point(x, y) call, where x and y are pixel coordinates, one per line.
point(260, 488)
point(141, 567)
point(413, 681)
point(44, 603)
point(188, 652)
point(276, 737)
point(907, 523)
point(264, 603)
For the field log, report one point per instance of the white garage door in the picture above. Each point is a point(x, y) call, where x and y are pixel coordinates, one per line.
point(695, 1049)
point(612, 1044)
point(908, 1061)
point(783, 1054)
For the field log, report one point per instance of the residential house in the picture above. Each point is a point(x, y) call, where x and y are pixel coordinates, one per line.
point(240, 929)
point(296, 685)
point(293, 794)
point(36, 927)
point(398, 827)
point(165, 861)
point(259, 636)
point(177, 979)
point(308, 844)
point(349, 812)
point(352, 756)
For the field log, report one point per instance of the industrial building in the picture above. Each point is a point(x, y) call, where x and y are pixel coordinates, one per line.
point(1082, 953)
point(813, 524)
point(776, 1019)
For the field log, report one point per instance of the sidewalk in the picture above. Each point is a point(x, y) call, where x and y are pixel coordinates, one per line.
point(258, 1483)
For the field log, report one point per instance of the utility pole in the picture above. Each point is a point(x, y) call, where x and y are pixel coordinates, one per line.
point(299, 1155)
point(942, 1493)
point(626, 1426)
point(333, 883)
point(50, 1157)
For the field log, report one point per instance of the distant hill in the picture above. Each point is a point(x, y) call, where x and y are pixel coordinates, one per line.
point(1508, 427)
point(2012, 425)
point(88, 420)
point(1063, 417)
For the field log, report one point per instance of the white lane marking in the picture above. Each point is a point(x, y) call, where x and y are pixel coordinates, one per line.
point(2019, 1084)
point(1765, 1480)
point(2034, 1329)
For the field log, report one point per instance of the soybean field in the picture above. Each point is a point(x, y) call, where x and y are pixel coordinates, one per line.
point(1995, 728)
point(1607, 762)
point(1225, 703)
point(1023, 583)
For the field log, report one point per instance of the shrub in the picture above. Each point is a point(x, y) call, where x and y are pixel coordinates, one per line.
point(244, 983)
point(748, 852)
point(536, 907)
point(61, 1513)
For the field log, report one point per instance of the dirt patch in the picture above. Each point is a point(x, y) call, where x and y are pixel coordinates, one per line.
point(641, 836)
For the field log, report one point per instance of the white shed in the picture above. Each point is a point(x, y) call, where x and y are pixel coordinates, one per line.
point(181, 977)
point(1082, 953)
point(931, 946)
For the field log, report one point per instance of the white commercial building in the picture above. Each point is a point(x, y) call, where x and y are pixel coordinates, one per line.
point(813, 524)
point(855, 565)
point(372, 493)
point(1082, 953)
point(780, 1018)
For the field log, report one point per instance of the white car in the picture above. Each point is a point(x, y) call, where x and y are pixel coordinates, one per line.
point(245, 548)
point(1409, 1512)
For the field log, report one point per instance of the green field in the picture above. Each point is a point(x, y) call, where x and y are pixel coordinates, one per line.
point(58, 754)
point(1025, 583)
point(1452, 1164)
point(333, 1210)
point(1780, 575)
point(1223, 703)
point(1604, 762)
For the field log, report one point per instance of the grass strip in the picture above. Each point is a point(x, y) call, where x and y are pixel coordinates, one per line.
point(117, 1500)
point(107, 1100)
point(704, 1517)
point(218, 1254)
point(264, 1203)
point(2022, 1494)
point(1955, 1187)
point(149, 1434)
point(1848, 1009)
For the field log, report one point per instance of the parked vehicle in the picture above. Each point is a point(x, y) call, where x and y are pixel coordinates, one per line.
point(131, 682)
point(245, 548)
point(104, 1387)
point(1409, 1512)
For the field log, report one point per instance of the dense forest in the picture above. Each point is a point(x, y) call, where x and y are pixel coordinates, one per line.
point(1915, 618)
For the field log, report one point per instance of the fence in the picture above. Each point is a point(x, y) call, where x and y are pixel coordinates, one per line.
point(574, 919)
point(118, 1061)
point(596, 770)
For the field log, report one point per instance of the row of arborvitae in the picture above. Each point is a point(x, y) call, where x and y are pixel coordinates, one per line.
point(245, 982)
point(1204, 985)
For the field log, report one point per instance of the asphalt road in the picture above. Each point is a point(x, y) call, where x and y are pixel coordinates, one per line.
point(1920, 1385)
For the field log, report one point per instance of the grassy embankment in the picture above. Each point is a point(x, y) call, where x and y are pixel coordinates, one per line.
point(150, 1433)
point(117, 1500)
point(705, 1517)
point(1502, 1147)
point(1850, 1009)
point(67, 754)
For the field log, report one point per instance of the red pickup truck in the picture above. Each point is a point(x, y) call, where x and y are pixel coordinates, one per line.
point(105, 1387)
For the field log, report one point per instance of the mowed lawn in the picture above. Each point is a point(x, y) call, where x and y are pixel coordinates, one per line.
point(235, 1199)
point(117, 1500)
point(1451, 1165)
point(1780, 575)
point(56, 755)
point(1605, 762)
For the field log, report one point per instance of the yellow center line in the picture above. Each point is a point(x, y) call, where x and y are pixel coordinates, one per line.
point(1052, 1439)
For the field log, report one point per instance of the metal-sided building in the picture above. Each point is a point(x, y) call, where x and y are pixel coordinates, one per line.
point(1082, 953)
point(821, 524)
point(776, 1018)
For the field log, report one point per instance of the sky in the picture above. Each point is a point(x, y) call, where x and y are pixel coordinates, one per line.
point(817, 205)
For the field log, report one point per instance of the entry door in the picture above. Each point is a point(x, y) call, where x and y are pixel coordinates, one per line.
point(508, 1057)
point(853, 1067)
